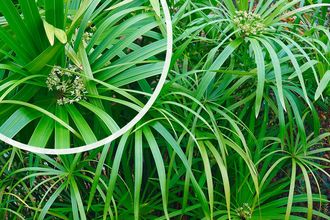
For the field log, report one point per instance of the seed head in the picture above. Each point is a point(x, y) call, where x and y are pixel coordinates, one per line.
point(244, 212)
point(69, 87)
point(249, 23)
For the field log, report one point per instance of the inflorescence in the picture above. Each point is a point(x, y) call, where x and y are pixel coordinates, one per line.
point(69, 86)
point(249, 23)
point(244, 212)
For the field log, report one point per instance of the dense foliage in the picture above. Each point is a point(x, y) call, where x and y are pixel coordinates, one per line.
point(238, 131)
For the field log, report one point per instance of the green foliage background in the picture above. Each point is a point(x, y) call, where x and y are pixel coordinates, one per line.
point(235, 134)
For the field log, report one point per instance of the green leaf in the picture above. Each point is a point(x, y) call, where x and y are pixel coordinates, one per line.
point(105, 117)
point(277, 70)
point(61, 36)
point(17, 25)
point(46, 57)
point(296, 66)
point(137, 73)
point(156, 6)
point(308, 191)
point(124, 2)
point(291, 192)
point(17, 121)
point(33, 22)
point(138, 171)
point(230, 5)
point(91, 86)
point(78, 199)
point(114, 173)
point(50, 201)
point(42, 132)
point(54, 11)
point(83, 127)
point(62, 135)
point(259, 58)
point(21, 51)
point(159, 165)
point(323, 85)
point(217, 64)
point(175, 146)
point(208, 174)
point(41, 110)
point(53, 32)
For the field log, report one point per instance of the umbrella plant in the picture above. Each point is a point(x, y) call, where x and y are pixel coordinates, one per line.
point(240, 129)
point(77, 72)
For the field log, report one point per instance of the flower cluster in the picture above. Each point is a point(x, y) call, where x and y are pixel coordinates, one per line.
point(249, 23)
point(69, 87)
point(88, 36)
point(90, 32)
point(244, 212)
